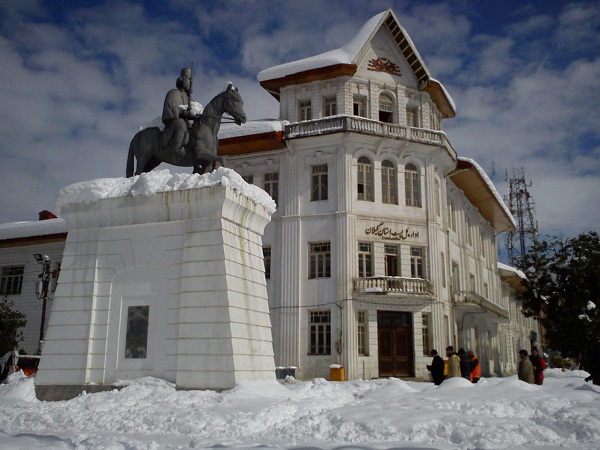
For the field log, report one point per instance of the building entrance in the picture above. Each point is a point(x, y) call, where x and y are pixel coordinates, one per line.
point(395, 338)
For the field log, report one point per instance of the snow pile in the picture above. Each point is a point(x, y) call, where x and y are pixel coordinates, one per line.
point(232, 130)
point(148, 184)
point(16, 230)
point(148, 413)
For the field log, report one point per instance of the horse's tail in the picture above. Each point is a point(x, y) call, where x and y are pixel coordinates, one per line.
point(131, 156)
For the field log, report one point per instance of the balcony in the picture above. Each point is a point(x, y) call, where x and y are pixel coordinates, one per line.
point(336, 124)
point(392, 285)
point(472, 302)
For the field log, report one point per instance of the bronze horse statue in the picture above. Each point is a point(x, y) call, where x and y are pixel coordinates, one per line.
point(201, 150)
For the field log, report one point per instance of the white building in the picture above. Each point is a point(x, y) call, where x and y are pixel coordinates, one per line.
point(383, 243)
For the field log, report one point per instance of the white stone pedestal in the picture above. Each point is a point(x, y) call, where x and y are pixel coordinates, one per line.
point(191, 262)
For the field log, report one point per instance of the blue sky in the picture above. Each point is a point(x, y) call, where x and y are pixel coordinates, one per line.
point(77, 79)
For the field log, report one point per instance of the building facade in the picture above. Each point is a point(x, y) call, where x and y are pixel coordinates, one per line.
point(383, 243)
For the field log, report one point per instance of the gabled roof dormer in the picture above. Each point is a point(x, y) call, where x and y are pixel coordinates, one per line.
point(360, 53)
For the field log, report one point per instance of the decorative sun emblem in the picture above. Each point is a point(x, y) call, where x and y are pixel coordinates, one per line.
point(384, 65)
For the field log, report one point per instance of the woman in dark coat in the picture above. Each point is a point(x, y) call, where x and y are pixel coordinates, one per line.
point(436, 368)
point(465, 364)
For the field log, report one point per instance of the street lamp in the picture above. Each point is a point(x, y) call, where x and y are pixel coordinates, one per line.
point(42, 290)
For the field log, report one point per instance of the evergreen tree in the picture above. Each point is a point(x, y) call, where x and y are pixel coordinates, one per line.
point(563, 280)
point(11, 323)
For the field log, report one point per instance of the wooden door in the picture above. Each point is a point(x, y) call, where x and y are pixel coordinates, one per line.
point(395, 340)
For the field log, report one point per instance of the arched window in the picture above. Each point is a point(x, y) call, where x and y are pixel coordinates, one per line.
point(412, 185)
point(365, 179)
point(386, 108)
point(389, 183)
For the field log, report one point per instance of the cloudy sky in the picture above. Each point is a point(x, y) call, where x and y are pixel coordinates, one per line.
point(78, 78)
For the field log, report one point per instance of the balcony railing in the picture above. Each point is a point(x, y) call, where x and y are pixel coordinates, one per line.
point(357, 124)
point(468, 298)
point(393, 285)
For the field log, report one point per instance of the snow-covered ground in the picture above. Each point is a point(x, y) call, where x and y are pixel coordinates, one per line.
point(388, 413)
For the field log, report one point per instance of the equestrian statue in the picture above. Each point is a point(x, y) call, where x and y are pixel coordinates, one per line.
point(188, 140)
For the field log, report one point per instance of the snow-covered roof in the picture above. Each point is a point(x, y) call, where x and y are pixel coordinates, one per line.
point(231, 130)
point(16, 230)
point(345, 60)
point(343, 55)
point(511, 269)
point(150, 183)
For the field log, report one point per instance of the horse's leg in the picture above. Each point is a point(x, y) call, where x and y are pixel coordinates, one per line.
point(152, 164)
point(142, 162)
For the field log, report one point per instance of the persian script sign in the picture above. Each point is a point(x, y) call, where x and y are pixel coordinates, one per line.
point(387, 233)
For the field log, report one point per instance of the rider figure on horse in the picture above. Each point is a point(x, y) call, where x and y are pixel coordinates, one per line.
point(175, 118)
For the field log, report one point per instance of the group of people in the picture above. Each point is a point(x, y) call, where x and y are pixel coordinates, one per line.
point(462, 364)
point(466, 365)
point(531, 367)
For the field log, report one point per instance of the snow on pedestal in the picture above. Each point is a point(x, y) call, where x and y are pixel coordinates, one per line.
point(162, 275)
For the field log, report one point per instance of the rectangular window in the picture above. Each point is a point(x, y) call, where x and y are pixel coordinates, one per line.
point(416, 262)
point(329, 106)
point(443, 266)
point(389, 183)
point(361, 330)
point(359, 106)
point(319, 258)
point(267, 259)
point(437, 198)
point(426, 333)
point(455, 279)
point(447, 330)
point(392, 260)
point(365, 179)
point(305, 110)
point(412, 117)
point(486, 290)
point(318, 183)
point(472, 282)
point(248, 179)
point(365, 266)
point(412, 186)
point(11, 280)
point(320, 333)
point(136, 339)
point(451, 215)
point(271, 185)
point(469, 231)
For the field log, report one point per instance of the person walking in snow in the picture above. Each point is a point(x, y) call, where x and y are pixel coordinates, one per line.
point(465, 364)
point(453, 363)
point(539, 365)
point(436, 368)
point(525, 368)
point(475, 367)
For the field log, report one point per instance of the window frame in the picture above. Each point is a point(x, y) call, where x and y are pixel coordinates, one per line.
point(267, 261)
point(365, 259)
point(271, 185)
point(362, 332)
point(359, 102)
point(426, 332)
point(319, 260)
point(386, 100)
point(319, 175)
point(389, 183)
point(412, 186)
point(304, 110)
point(329, 106)
point(319, 332)
point(417, 262)
point(364, 179)
point(11, 280)
point(395, 255)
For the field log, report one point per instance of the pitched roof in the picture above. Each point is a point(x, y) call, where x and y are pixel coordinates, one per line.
point(481, 192)
point(344, 62)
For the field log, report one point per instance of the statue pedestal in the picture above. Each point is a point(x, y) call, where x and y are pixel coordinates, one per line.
point(170, 286)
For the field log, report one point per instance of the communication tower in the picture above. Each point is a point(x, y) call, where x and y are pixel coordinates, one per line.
point(522, 207)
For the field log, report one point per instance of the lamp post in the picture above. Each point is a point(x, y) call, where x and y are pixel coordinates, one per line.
point(42, 291)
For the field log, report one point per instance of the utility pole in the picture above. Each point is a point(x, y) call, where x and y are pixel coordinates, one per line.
point(522, 206)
